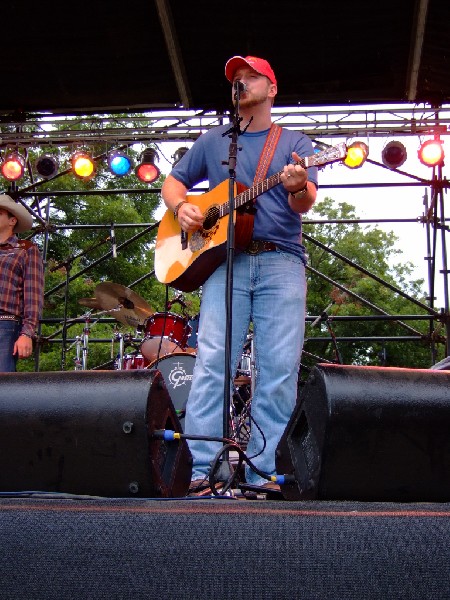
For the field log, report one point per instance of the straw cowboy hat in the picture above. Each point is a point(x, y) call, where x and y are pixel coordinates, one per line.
point(24, 219)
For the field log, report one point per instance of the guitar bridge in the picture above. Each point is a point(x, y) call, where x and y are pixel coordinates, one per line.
point(197, 241)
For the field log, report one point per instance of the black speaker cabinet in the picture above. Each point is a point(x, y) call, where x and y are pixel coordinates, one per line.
point(369, 434)
point(90, 432)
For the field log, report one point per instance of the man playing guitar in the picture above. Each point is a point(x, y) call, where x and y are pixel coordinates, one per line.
point(269, 284)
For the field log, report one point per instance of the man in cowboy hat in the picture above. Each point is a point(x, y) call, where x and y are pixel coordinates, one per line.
point(21, 285)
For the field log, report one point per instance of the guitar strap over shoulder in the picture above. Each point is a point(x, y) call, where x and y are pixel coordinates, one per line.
point(267, 152)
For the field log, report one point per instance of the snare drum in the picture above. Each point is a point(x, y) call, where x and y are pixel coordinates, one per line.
point(176, 370)
point(134, 361)
point(166, 329)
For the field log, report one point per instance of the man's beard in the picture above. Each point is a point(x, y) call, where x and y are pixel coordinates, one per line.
point(251, 101)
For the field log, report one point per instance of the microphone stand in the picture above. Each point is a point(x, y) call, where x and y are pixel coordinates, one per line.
point(324, 317)
point(67, 264)
point(224, 470)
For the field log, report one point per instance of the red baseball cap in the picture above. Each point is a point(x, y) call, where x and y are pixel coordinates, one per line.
point(260, 65)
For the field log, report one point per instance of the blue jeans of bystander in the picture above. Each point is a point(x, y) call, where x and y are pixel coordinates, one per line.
point(9, 332)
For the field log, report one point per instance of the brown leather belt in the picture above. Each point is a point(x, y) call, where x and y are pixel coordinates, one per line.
point(257, 246)
point(9, 318)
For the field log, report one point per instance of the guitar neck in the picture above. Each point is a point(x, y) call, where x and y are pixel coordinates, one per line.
point(259, 188)
point(251, 193)
point(327, 156)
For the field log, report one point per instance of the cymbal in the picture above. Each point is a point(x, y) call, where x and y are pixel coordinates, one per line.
point(123, 304)
point(89, 302)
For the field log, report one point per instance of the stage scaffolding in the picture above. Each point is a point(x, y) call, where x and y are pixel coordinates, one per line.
point(118, 131)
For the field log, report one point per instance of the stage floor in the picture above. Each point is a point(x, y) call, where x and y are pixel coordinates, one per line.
point(80, 547)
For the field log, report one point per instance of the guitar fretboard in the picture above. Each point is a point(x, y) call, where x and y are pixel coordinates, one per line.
point(256, 190)
point(327, 156)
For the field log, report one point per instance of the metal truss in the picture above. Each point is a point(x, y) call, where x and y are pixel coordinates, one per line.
point(40, 130)
point(183, 125)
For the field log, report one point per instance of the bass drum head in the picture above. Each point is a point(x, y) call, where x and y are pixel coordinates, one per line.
point(176, 370)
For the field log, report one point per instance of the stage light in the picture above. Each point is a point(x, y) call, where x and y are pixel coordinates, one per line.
point(178, 155)
point(46, 166)
point(393, 155)
point(83, 165)
point(431, 153)
point(356, 155)
point(119, 164)
point(13, 166)
point(147, 171)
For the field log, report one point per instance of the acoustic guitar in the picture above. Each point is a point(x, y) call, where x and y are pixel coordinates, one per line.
point(185, 261)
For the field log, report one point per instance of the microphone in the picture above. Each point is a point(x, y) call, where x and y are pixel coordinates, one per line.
point(239, 87)
point(113, 241)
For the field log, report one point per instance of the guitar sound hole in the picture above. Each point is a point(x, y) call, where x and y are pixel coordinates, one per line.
point(211, 217)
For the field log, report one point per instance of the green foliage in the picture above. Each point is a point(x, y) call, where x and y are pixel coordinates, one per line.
point(76, 234)
point(76, 237)
point(361, 293)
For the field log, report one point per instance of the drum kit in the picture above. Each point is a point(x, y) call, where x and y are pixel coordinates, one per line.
point(156, 334)
point(166, 341)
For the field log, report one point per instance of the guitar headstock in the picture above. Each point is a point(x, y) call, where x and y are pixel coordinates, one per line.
point(327, 156)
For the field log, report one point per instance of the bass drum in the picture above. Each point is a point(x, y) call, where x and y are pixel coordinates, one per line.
point(176, 370)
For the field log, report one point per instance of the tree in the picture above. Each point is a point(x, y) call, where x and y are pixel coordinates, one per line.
point(353, 292)
point(79, 257)
point(77, 236)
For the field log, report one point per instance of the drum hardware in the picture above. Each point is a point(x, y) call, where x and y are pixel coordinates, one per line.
point(125, 340)
point(246, 371)
point(134, 361)
point(192, 341)
point(82, 344)
point(119, 359)
point(78, 357)
point(178, 299)
point(244, 382)
point(125, 305)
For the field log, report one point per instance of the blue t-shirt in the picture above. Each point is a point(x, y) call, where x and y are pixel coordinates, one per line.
point(207, 160)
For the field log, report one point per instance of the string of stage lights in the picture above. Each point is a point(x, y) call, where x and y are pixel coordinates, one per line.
point(83, 165)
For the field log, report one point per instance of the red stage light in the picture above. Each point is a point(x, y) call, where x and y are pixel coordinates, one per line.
point(147, 171)
point(13, 167)
point(431, 153)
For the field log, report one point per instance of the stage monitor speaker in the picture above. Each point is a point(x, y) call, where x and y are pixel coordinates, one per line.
point(90, 433)
point(369, 434)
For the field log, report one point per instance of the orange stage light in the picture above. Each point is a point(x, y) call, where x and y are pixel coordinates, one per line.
point(13, 166)
point(83, 165)
point(356, 155)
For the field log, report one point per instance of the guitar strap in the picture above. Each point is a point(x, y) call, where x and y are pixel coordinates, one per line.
point(267, 152)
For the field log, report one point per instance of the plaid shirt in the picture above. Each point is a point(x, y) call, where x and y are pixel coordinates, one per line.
point(21, 282)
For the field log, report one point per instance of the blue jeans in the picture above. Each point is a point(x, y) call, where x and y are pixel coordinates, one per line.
point(9, 332)
point(269, 290)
